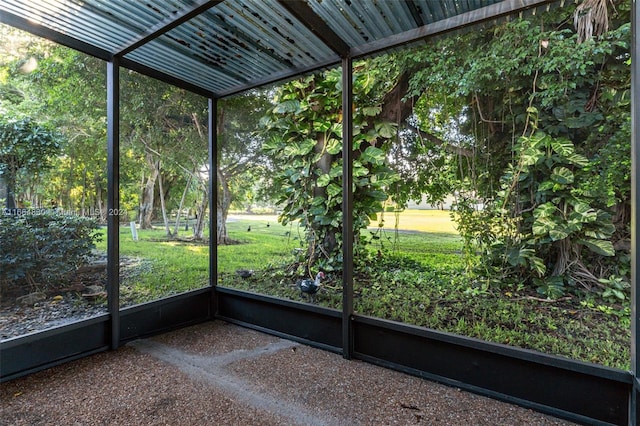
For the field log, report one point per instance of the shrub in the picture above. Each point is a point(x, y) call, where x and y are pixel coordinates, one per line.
point(37, 251)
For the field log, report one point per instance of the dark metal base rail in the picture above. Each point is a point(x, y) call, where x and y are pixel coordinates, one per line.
point(302, 322)
point(34, 352)
point(578, 391)
point(165, 314)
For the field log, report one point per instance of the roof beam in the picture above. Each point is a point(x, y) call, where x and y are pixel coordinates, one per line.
point(487, 13)
point(307, 17)
point(278, 77)
point(167, 25)
point(164, 77)
point(47, 33)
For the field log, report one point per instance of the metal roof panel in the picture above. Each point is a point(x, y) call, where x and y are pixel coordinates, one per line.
point(225, 46)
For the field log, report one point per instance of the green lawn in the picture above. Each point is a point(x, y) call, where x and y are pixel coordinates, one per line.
point(421, 280)
point(154, 267)
point(260, 246)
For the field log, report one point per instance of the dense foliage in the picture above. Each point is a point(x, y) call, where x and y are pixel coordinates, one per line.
point(25, 151)
point(544, 197)
point(425, 284)
point(163, 134)
point(39, 250)
point(527, 124)
point(304, 132)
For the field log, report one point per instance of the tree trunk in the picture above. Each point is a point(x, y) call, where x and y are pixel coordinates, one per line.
point(222, 209)
point(99, 205)
point(83, 199)
point(181, 206)
point(201, 209)
point(162, 205)
point(148, 192)
point(167, 183)
point(66, 201)
point(329, 241)
point(11, 188)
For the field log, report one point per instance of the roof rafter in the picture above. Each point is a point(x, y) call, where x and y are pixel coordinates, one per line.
point(477, 16)
point(316, 25)
point(25, 24)
point(252, 42)
point(167, 25)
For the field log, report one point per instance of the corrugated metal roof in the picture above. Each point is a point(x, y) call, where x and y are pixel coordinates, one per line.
point(219, 47)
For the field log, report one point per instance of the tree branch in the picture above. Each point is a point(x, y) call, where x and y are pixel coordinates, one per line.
point(439, 142)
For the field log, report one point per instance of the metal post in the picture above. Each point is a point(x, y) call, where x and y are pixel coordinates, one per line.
point(113, 198)
point(347, 207)
point(213, 201)
point(634, 415)
point(635, 198)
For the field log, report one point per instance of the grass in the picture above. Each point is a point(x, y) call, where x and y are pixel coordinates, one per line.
point(419, 280)
point(154, 267)
point(431, 248)
point(260, 246)
point(431, 221)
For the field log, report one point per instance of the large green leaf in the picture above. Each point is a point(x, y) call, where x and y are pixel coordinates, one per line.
point(372, 155)
point(545, 186)
point(383, 179)
point(562, 175)
point(359, 170)
point(601, 247)
point(562, 146)
point(558, 233)
point(545, 210)
point(537, 265)
point(334, 146)
point(583, 213)
point(543, 225)
point(371, 111)
point(288, 106)
point(323, 180)
point(333, 189)
point(299, 148)
point(530, 156)
point(321, 126)
point(377, 195)
point(317, 210)
point(386, 130)
point(577, 159)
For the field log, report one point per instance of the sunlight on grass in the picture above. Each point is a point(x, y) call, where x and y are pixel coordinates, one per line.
point(199, 249)
point(427, 236)
point(433, 221)
point(153, 267)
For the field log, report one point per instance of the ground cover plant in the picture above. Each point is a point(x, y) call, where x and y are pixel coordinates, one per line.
point(420, 278)
point(40, 251)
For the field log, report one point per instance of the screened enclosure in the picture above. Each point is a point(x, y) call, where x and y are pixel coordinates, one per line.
point(279, 99)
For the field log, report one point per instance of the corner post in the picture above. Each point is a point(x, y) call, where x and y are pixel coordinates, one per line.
point(213, 201)
point(634, 413)
point(347, 207)
point(113, 198)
